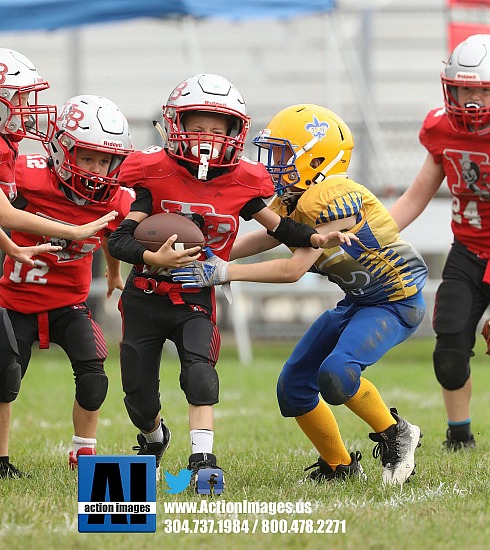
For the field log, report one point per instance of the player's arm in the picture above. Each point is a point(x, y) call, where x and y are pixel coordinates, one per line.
point(288, 231)
point(24, 254)
point(112, 270)
point(19, 220)
point(215, 271)
point(261, 241)
point(414, 200)
point(288, 270)
point(252, 243)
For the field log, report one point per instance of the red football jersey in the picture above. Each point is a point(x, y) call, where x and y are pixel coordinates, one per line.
point(214, 205)
point(8, 153)
point(59, 278)
point(466, 163)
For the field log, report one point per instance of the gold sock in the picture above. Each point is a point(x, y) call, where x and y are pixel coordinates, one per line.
point(321, 428)
point(368, 404)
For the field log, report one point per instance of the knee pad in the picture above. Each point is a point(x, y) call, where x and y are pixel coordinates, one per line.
point(453, 307)
point(295, 398)
point(200, 383)
point(338, 385)
point(452, 368)
point(282, 398)
point(10, 377)
point(91, 390)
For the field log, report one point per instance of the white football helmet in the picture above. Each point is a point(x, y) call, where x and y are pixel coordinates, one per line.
point(304, 144)
point(95, 123)
point(19, 119)
point(208, 93)
point(468, 67)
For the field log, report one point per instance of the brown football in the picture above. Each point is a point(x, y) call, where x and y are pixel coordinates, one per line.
point(154, 231)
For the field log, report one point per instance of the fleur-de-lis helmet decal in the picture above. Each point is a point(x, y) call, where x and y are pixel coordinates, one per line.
point(317, 128)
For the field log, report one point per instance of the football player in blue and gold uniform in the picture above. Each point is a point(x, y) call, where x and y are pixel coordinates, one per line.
point(308, 150)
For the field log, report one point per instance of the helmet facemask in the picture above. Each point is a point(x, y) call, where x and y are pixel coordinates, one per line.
point(470, 118)
point(203, 149)
point(90, 186)
point(278, 156)
point(21, 116)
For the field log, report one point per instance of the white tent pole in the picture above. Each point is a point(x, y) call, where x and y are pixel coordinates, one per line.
point(363, 97)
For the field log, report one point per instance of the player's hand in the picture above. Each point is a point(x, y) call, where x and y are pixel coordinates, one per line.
point(209, 272)
point(114, 280)
point(166, 256)
point(317, 240)
point(87, 230)
point(24, 254)
point(337, 238)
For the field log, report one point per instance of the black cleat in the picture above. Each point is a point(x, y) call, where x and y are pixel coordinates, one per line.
point(324, 472)
point(157, 449)
point(199, 479)
point(452, 444)
point(8, 470)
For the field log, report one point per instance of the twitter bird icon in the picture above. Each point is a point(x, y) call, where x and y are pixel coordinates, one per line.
point(180, 482)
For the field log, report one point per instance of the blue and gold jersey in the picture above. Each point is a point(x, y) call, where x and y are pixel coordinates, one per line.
point(380, 267)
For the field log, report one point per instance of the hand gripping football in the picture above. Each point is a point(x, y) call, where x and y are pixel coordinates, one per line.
point(154, 231)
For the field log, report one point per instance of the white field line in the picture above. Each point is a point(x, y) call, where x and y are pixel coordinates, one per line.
point(400, 498)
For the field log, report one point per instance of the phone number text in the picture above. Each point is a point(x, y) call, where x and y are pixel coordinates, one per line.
point(228, 525)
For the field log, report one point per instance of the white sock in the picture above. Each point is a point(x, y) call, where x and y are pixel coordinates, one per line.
point(156, 436)
point(202, 441)
point(79, 442)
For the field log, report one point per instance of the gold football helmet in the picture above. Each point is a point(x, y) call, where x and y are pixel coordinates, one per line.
point(304, 144)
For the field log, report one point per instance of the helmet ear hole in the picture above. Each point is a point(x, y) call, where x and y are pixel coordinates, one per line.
point(316, 162)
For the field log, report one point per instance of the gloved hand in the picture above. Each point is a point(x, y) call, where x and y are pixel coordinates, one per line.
point(210, 272)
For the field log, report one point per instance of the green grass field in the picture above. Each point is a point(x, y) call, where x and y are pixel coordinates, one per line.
point(446, 505)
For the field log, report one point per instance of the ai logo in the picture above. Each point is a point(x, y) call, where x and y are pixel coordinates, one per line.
point(116, 494)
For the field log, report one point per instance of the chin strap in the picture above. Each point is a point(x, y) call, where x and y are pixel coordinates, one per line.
point(161, 131)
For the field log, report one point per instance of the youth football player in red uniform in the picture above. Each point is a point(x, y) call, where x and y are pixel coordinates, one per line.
point(457, 139)
point(22, 116)
point(45, 302)
point(201, 174)
point(308, 150)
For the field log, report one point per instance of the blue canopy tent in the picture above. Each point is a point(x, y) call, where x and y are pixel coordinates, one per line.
point(18, 15)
